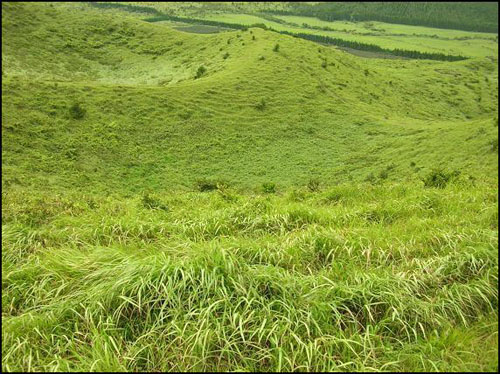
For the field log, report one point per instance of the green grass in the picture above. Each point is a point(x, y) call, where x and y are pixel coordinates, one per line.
point(176, 201)
point(385, 35)
point(384, 277)
point(147, 117)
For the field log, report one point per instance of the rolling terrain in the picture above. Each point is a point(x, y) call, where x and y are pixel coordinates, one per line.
point(243, 200)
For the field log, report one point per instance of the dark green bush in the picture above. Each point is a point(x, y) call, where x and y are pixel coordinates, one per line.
point(226, 55)
point(313, 185)
point(261, 105)
point(200, 72)
point(494, 145)
point(269, 187)
point(439, 178)
point(205, 184)
point(384, 174)
point(276, 48)
point(151, 202)
point(76, 111)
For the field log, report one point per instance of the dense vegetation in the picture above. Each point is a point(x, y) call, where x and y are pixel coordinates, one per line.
point(241, 201)
point(387, 277)
point(470, 16)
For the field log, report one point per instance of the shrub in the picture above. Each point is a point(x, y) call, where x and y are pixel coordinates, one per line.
point(151, 202)
point(200, 72)
point(276, 48)
point(261, 105)
point(76, 111)
point(494, 145)
point(324, 64)
point(261, 58)
point(226, 55)
point(384, 174)
point(439, 178)
point(313, 185)
point(269, 187)
point(206, 184)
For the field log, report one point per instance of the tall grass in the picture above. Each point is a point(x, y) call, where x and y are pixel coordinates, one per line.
point(259, 282)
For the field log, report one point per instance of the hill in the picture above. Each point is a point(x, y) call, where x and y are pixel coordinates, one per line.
point(288, 115)
point(241, 200)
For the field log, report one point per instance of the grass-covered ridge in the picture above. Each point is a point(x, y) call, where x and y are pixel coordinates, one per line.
point(159, 17)
point(244, 200)
point(145, 117)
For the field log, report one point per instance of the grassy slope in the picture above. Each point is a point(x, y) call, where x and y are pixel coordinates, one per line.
point(385, 35)
point(355, 277)
point(392, 36)
point(153, 125)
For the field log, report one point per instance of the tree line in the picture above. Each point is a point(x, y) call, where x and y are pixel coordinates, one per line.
point(468, 16)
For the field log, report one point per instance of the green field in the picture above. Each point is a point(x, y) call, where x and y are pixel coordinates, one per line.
point(179, 199)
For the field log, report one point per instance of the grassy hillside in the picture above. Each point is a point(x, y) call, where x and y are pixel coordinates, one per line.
point(243, 200)
point(255, 115)
point(384, 35)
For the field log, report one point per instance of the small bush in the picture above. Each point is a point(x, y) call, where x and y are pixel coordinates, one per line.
point(76, 111)
point(226, 55)
point(261, 105)
point(269, 187)
point(384, 174)
point(204, 185)
point(313, 185)
point(438, 178)
point(276, 48)
point(200, 72)
point(151, 202)
point(261, 58)
point(324, 64)
point(494, 145)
